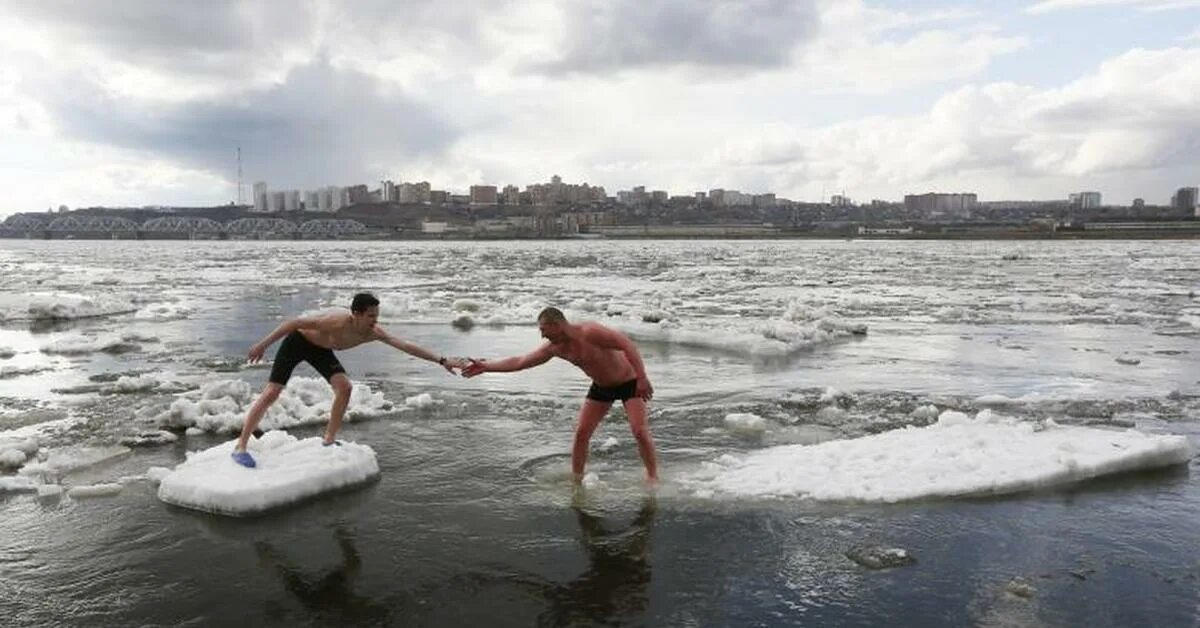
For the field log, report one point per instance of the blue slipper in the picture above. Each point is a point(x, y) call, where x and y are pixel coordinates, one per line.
point(336, 442)
point(244, 458)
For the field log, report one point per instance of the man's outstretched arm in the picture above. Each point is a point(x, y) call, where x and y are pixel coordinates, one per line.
point(515, 363)
point(286, 327)
point(415, 350)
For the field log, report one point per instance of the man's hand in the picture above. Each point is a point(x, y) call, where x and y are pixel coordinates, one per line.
point(474, 367)
point(453, 363)
point(644, 389)
point(256, 354)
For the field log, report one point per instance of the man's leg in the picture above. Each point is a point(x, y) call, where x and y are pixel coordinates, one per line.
point(636, 409)
point(590, 416)
point(269, 394)
point(341, 398)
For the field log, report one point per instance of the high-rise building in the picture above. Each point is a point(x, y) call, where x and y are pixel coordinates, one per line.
point(659, 196)
point(939, 204)
point(511, 195)
point(387, 191)
point(483, 195)
point(1084, 200)
point(1186, 199)
point(260, 196)
point(359, 194)
point(277, 200)
point(312, 200)
point(291, 200)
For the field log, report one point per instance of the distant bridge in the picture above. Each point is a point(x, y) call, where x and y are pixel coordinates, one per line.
point(70, 225)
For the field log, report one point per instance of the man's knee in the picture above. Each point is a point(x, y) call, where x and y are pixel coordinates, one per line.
point(583, 433)
point(271, 392)
point(341, 386)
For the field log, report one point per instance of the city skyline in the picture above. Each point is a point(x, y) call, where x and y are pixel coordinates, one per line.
point(806, 100)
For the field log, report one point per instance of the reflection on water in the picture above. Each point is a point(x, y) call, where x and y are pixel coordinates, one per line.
point(328, 594)
point(614, 585)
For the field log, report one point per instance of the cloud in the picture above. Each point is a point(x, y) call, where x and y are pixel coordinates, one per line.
point(1134, 113)
point(320, 124)
point(603, 36)
point(1047, 6)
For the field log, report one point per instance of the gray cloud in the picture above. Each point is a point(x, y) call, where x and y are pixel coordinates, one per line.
point(610, 35)
point(187, 36)
point(321, 125)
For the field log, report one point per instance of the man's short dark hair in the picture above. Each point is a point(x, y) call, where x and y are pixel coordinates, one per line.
point(363, 301)
point(551, 315)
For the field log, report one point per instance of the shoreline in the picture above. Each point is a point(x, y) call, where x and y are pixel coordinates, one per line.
point(1010, 236)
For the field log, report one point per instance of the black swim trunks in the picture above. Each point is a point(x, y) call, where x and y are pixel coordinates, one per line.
point(296, 349)
point(624, 392)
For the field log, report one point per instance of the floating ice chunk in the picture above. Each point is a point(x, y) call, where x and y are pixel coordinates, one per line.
point(926, 412)
point(84, 345)
point(423, 400)
point(957, 456)
point(156, 474)
point(994, 399)
point(94, 490)
point(1020, 587)
point(153, 437)
point(49, 491)
point(745, 423)
point(875, 557)
point(11, 458)
point(655, 316)
point(8, 372)
point(220, 406)
point(61, 461)
point(1127, 361)
point(288, 471)
point(71, 306)
point(194, 431)
point(465, 305)
point(163, 312)
point(72, 345)
point(463, 322)
point(17, 484)
point(591, 480)
point(27, 446)
point(608, 445)
point(132, 384)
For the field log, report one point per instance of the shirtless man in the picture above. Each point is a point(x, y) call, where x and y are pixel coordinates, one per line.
point(313, 340)
point(615, 366)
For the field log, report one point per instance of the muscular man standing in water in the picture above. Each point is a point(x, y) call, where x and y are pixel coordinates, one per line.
point(615, 366)
point(313, 340)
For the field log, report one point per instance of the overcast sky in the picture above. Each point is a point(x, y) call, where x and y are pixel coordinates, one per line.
point(145, 102)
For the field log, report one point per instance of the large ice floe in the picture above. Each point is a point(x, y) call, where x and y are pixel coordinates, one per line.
point(38, 307)
point(221, 406)
point(288, 471)
point(957, 456)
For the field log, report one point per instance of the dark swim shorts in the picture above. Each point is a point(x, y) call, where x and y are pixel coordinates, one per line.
point(624, 392)
point(296, 349)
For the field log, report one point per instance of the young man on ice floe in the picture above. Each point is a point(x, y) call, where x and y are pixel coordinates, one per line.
point(314, 340)
point(615, 366)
